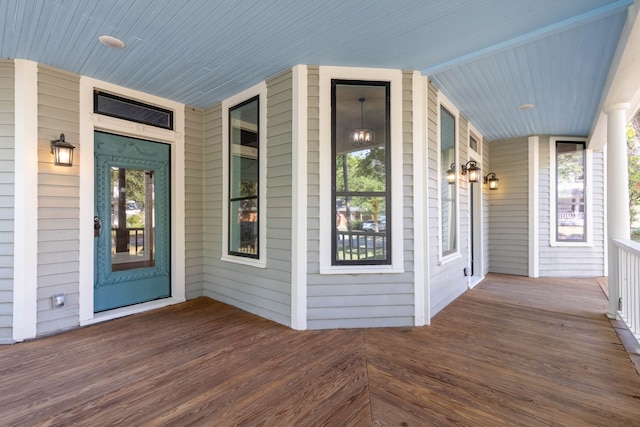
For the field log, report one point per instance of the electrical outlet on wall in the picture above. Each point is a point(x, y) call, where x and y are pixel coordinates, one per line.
point(58, 301)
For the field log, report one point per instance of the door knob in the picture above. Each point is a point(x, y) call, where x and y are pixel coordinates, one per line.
point(96, 226)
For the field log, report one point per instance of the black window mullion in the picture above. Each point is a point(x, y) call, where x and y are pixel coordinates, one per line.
point(247, 138)
point(343, 250)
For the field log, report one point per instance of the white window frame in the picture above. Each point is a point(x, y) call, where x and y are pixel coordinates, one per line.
point(588, 192)
point(444, 102)
point(397, 251)
point(259, 90)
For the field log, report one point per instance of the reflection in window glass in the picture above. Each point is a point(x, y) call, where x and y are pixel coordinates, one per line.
point(570, 191)
point(243, 179)
point(361, 187)
point(447, 191)
point(473, 143)
point(132, 219)
point(128, 109)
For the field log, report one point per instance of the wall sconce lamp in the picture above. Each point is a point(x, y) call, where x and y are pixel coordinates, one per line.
point(451, 174)
point(62, 152)
point(491, 180)
point(471, 167)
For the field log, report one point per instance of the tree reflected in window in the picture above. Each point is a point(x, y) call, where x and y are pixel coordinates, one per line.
point(570, 191)
point(243, 179)
point(361, 187)
point(448, 199)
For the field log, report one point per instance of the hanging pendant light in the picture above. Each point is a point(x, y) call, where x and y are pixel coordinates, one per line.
point(362, 136)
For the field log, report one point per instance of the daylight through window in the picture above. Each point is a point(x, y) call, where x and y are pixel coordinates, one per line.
point(448, 200)
point(243, 179)
point(570, 192)
point(361, 173)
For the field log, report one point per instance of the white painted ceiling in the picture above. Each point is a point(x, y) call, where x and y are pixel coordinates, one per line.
point(488, 56)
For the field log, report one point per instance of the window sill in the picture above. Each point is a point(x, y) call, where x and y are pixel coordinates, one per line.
point(362, 269)
point(244, 261)
point(571, 244)
point(449, 258)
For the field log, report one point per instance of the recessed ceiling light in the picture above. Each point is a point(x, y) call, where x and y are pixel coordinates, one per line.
point(526, 107)
point(110, 41)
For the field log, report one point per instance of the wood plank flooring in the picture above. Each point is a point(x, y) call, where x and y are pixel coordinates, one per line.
point(512, 351)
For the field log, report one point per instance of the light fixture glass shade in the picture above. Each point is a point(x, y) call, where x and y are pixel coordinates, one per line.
point(451, 174)
point(492, 181)
point(471, 168)
point(474, 175)
point(362, 137)
point(62, 152)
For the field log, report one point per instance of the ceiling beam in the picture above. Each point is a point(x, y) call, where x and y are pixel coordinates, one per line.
point(558, 27)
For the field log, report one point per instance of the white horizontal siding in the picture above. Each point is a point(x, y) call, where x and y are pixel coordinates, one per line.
point(262, 291)
point(194, 243)
point(357, 300)
point(447, 279)
point(279, 191)
point(7, 179)
point(313, 173)
point(58, 201)
point(571, 261)
point(508, 208)
point(485, 206)
point(408, 202)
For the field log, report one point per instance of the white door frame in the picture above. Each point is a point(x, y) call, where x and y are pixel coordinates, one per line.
point(476, 233)
point(89, 123)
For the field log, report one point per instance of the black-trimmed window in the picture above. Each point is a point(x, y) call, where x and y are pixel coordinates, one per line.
point(570, 191)
point(244, 173)
point(448, 196)
point(129, 109)
point(361, 173)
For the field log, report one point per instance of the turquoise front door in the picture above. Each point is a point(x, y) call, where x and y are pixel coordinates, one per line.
point(132, 221)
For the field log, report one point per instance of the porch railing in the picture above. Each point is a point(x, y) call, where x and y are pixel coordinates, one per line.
point(361, 245)
point(627, 254)
point(132, 238)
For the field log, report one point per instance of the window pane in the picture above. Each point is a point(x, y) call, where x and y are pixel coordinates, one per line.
point(473, 143)
point(570, 204)
point(243, 179)
point(132, 219)
point(447, 190)
point(244, 176)
point(243, 227)
point(128, 109)
point(360, 172)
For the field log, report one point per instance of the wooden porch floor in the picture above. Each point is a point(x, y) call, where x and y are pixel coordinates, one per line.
point(512, 351)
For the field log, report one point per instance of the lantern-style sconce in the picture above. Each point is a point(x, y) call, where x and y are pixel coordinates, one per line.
point(492, 180)
point(62, 152)
point(451, 174)
point(471, 167)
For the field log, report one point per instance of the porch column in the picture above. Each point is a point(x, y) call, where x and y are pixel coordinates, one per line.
point(618, 222)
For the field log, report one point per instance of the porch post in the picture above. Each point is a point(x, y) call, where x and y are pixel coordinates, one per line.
point(618, 222)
